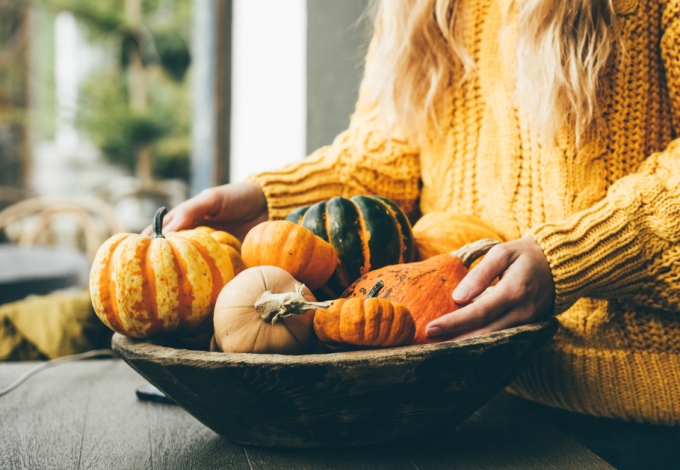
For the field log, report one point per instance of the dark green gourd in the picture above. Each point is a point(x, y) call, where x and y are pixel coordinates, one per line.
point(368, 232)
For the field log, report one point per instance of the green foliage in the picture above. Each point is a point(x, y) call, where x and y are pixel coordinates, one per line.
point(102, 16)
point(105, 112)
point(13, 90)
point(119, 132)
point(173, 53)
point(172, 157)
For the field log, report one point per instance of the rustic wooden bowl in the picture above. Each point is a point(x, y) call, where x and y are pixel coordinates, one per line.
point(340, 399)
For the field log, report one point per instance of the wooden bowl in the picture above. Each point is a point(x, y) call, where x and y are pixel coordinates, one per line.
point(340, 399)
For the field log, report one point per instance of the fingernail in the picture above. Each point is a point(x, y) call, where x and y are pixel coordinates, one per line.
point(460, 293)
point(434, 331)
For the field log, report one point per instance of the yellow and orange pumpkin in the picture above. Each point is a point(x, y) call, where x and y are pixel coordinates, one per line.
point(229, 243)
point(146, 287)
point(288, 246)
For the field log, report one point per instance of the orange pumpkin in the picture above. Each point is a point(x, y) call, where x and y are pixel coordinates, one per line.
point(439, 233)
point(425, 287)
point(369, 322)
point(288, 246)
point(229, 243)
point(146, 287)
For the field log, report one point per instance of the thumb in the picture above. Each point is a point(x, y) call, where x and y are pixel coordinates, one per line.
point(481, 276)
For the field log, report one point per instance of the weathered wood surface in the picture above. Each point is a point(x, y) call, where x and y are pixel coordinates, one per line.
point(341, 399)
point(86, 416)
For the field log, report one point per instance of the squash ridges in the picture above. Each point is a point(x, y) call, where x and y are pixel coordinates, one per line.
point(345, 235)
point(149, 291)
point(109, 302)
point(302, 349)
point(383, 240)
point(408, 247)
point(186, 289)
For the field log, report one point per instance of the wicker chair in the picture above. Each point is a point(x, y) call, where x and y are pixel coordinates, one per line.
point(43, 211)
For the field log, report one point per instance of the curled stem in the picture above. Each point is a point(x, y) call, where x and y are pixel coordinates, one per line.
point(273, 307)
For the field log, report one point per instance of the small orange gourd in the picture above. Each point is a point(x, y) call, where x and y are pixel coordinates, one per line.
point(369, 322)
point(288, 246)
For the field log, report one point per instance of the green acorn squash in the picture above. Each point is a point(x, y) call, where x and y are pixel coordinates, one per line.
point(368, 233)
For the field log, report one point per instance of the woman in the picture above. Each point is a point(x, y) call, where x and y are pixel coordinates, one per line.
point(554, 121)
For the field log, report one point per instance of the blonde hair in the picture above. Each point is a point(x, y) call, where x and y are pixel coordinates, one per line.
point(562, 48)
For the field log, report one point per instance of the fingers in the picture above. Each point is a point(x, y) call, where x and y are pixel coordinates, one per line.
point(524, 293)
point(475, 315)
point(512, 318)
point(191, 212)
point(481, 276)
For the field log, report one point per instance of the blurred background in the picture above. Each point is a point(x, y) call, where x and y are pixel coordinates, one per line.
point(110, 109)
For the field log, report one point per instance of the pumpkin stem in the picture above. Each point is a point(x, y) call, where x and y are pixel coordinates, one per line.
point(471, 252)
point(375, 289)
point(157, 229)
point(272, 307)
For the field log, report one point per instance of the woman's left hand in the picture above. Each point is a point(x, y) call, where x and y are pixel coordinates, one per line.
point(525, 292)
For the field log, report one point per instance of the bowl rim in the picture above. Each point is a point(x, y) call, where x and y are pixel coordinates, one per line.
point(150, 348)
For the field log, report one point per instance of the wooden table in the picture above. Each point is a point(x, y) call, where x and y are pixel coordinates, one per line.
point(86, 415)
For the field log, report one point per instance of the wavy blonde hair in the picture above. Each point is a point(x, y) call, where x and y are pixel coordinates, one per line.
point(562, 48)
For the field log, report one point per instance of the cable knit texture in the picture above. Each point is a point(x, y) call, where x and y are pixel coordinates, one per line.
point(607, 213)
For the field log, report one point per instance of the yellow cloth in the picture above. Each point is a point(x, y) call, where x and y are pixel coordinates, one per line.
point(607, 214)
point(49, 326)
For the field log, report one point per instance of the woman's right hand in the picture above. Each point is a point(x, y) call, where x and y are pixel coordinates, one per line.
point(233, 208)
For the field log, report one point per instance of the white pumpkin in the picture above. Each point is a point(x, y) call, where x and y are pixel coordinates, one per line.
point(265, 310)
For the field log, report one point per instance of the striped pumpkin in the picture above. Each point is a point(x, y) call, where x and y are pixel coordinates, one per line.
point(368, 233)
point(146, 287)
point(229, 243)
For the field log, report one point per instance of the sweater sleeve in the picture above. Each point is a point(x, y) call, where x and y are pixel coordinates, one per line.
point(362, 160)
point(628, 245)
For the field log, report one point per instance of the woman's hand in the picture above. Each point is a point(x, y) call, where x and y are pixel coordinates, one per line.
point(525, 292)
point(234, 208)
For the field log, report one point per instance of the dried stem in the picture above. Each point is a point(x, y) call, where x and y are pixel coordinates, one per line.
point(471, 252)
point(272, 307)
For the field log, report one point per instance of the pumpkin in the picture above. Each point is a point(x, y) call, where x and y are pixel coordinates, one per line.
point(425, 287)
point(439, 233)
point(369, 322)
point(265, 310)
point(224, 238)
point(368, 233)
point(295, 249)
point(147, 287)
point(229, 243)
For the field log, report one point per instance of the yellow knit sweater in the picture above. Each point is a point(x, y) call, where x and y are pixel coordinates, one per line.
point(607, 214)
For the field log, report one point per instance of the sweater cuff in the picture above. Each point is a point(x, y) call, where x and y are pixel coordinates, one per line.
point(594, 253)
point(298, 184)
